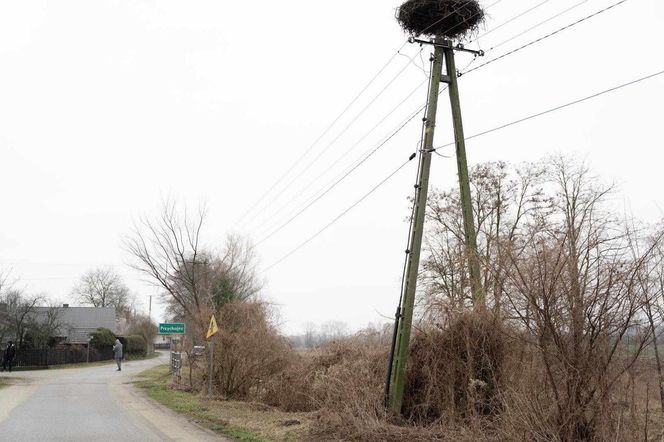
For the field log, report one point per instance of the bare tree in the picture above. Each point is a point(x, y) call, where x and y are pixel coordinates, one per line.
point(310, 335)
point(196, 281)
point(6, 325)
point(232, 275)
point(574, 285)
point(103, 287)
point(507, 199)
point(42, 326)
point(333, 329)
point(20, 309)
point(651, 281)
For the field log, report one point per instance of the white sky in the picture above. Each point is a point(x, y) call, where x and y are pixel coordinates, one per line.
point(108, 107)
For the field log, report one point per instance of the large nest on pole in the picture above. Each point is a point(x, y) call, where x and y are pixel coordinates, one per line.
point(453, 19)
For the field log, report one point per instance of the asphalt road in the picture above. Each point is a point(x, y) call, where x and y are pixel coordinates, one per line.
point(89, 404)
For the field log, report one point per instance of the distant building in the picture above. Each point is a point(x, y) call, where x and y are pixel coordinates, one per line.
point(77, 323)
point(162, 341)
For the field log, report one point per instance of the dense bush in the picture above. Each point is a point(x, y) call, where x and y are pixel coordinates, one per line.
point(102, 338)
point(455, 369)
point(252, 350)
point(135, 345)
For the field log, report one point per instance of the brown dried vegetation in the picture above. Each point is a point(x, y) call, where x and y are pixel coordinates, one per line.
point(562, 351)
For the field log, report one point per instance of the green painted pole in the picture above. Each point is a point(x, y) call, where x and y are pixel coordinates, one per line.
point(408, 299)
point(464, 182)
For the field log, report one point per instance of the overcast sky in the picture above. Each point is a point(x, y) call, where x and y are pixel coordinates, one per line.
point(108, 107)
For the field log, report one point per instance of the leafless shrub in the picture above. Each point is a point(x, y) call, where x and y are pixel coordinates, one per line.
point(251, 351)
point(455, 369)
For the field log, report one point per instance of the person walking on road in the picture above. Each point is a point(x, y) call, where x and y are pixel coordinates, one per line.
point(117, 351)
point(8, 359)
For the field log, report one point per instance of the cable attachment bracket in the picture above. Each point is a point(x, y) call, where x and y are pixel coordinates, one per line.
point(448, 45)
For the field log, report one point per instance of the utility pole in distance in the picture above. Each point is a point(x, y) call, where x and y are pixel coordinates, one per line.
point(398, 365)
point(149, 323)
point(470, 235)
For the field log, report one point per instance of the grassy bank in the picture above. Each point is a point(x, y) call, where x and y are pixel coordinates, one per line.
point(239, 420)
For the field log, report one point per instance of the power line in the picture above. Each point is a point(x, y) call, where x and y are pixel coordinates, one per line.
point(521, 120)
point(310, 184)
point(465, 71)
point(308, 205)
point(334, 140)
point(325, 132)
point(551, 34)
point(521, 14)
point(419, 109)
point(576, 5)
point(562, 106)
point(344, 176)
point(343, 131)
point(282, 177)
point(338, 217)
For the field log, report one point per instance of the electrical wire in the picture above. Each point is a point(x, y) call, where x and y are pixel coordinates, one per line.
point(333, 141)
point(516, 17)
point(538, 25)
point(301, 191)
point(551, 34)
point(465, 71)
point(338, 136)
point(553, 109)
point(344, 176)
point(320, 137)
point(338, 217)
point(503, 126)
point(326, 131)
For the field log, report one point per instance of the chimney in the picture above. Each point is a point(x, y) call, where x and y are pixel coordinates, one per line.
point(65, 305)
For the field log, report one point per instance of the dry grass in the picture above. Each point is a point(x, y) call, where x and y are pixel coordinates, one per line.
point(470, 379)
point(245, 421)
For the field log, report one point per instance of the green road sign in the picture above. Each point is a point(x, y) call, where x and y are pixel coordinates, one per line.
point(174, 328)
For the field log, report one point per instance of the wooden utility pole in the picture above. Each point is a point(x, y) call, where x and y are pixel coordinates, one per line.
point(443, 48)
point(398, 368)
point(470, 235)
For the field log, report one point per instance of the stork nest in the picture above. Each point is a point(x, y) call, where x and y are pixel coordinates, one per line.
point(453, 19)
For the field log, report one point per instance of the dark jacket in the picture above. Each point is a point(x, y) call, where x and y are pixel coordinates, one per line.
point(10, 352)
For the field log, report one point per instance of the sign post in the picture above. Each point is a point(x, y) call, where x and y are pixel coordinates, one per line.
point(212, 330)
point(172, 328)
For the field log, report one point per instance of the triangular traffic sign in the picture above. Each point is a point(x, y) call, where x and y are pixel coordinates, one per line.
point(212, 329)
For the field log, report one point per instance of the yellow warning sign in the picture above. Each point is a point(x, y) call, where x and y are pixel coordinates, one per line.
point(212, 329)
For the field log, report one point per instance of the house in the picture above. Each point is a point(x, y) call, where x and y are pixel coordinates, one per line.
point(75, 324)
point(162, 341)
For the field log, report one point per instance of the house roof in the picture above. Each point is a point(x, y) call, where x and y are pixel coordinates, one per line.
point(78, 322)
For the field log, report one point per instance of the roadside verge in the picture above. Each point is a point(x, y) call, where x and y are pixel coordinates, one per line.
point(242, 421)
